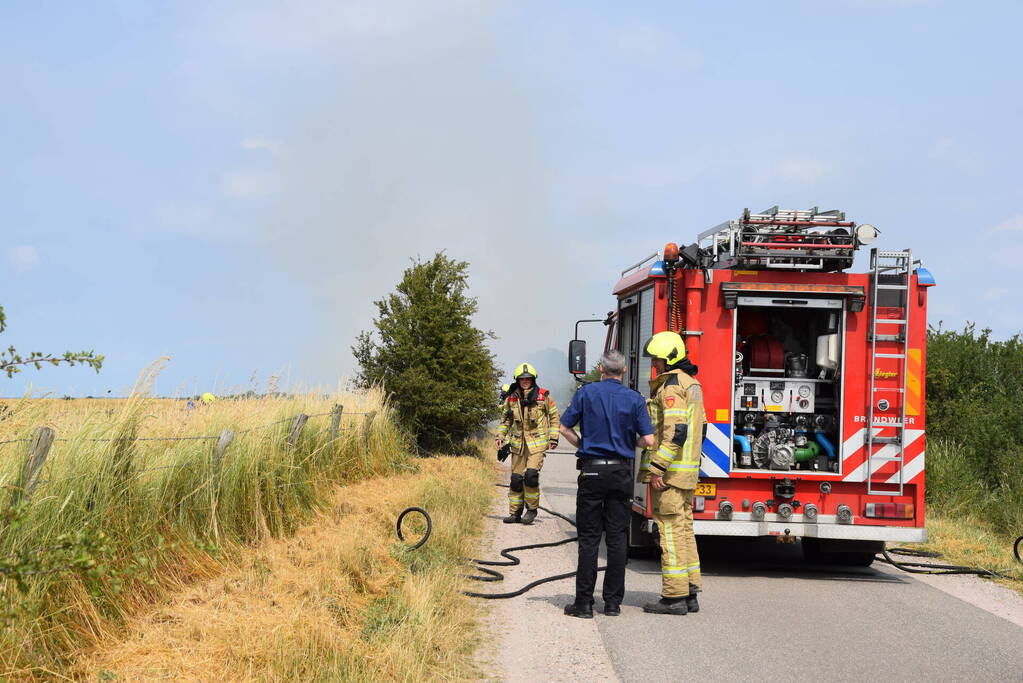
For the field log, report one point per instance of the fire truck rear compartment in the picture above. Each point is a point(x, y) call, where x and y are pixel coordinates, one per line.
point(787, 388)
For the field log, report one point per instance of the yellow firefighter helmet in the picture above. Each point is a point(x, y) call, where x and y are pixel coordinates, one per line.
point(667, 346)
point(207, 398)
point(524, 370)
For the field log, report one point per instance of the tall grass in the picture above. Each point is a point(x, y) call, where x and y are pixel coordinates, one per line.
point(170, 512)
point(955, 489)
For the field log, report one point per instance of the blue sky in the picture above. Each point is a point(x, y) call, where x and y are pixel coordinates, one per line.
point(231, 184)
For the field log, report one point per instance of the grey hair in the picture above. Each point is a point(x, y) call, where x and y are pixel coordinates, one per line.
point(613, 362)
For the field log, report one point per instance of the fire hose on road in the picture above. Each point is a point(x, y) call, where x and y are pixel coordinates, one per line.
point(491, 575)
point(510, 561)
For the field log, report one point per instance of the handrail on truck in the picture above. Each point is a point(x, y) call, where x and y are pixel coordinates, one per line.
point(637, 266)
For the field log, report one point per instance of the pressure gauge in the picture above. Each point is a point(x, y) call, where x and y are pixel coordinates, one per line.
point(777, 396)
point(804, 391)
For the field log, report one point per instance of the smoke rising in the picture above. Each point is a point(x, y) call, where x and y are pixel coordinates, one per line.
point(412, 132)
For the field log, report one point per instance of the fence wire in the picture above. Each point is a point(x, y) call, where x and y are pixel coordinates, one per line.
point(186, 438)
point(136, 473)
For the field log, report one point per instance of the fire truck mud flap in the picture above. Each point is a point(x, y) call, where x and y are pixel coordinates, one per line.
point(707, 527)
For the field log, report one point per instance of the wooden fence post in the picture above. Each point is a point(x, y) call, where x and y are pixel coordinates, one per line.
point(367, 424)
point(123, 454)
point(296, 428)
point(218, 461)
point(335, 420)
point(221, 446)
point(38, 450)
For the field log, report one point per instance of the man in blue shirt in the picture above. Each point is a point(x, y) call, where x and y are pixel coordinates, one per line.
point(614, 422)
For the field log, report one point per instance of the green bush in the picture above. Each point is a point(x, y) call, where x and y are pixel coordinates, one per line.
point(434, 364)
point(975, 425)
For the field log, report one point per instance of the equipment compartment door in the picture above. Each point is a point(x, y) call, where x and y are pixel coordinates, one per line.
point(636, 325)
point(787, 399)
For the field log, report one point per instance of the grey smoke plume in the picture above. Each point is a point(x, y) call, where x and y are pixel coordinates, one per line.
point(414, 133)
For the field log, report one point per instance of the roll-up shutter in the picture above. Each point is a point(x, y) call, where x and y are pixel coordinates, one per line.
point(646, 330)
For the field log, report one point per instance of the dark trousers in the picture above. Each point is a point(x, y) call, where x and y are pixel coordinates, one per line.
point(602, 507)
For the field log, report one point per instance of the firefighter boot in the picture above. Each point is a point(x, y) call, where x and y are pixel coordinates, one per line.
point(513, 518)
point(676, 606)
point(692, 605)
point(529, 516)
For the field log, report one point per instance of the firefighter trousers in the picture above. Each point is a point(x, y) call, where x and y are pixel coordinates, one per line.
point(680, 562)
point(525, 480)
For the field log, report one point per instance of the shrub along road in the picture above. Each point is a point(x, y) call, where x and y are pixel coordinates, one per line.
point(765, 614)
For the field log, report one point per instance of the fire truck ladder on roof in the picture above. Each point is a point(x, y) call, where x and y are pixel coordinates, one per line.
point(783, 239)
point(890, 281)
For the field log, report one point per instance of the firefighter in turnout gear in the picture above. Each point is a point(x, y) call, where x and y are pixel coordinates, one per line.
point(676, 410)
point(529, 425)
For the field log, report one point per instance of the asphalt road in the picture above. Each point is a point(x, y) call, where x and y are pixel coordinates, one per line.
point(767, 615)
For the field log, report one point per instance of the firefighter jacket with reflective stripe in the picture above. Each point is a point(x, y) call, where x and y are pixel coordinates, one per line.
point(676, 409)
point(531, 421)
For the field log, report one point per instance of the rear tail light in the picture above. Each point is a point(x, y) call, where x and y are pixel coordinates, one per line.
point(889, 510)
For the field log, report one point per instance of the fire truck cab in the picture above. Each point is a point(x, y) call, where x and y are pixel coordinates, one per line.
point(813, 378)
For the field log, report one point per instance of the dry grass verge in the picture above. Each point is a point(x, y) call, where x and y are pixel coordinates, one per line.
point(971, 542)
point(340, 600)
point(148, 517)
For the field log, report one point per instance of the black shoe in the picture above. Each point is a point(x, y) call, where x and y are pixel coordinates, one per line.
point(513, 518)
point(529, 516)
point(692, 606)
point(612, 610)
point(676, 606)
point(581, 611)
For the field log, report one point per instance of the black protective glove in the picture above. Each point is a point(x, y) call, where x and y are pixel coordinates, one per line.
point(503, 452)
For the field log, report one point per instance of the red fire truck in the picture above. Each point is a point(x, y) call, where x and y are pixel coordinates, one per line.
point(813, 378)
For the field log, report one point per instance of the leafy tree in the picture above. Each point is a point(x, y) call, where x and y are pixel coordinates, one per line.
point(429, 357)
point(592, 375)
point(12, 362)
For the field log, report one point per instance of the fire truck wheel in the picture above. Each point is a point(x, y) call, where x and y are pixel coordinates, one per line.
point(642, 544)
point(847, 553)
point(811, 550)
point(859, 559)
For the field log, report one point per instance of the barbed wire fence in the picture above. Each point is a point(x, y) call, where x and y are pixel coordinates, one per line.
point(43, 438)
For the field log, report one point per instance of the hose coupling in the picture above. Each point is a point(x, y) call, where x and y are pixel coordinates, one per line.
point(810, 512)
point(845, 514)
point(758, 512)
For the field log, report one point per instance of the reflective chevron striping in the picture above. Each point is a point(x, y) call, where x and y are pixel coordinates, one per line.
point(717, 450)
point(910, 470)
point(860, 472)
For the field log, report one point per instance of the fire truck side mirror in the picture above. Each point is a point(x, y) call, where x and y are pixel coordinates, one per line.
point(577, 357)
